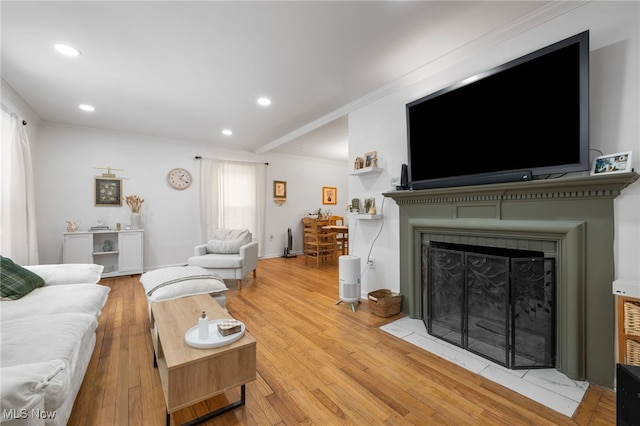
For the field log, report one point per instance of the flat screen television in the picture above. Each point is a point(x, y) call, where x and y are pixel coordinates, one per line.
point(526, 119)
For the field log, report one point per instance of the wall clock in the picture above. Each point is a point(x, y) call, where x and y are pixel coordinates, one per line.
point(179, 178)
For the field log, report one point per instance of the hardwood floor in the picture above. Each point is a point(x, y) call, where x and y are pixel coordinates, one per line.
point(318, 364)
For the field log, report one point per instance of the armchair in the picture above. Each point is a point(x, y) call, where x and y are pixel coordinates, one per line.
point(230, 253)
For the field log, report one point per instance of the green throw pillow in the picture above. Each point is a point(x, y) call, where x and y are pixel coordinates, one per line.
point(16, 281)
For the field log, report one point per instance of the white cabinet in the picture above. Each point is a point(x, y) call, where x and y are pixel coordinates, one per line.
point(120, 252)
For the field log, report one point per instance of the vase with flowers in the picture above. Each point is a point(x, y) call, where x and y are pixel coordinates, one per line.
point(135, 204)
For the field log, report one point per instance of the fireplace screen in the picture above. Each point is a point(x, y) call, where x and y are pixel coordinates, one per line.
point(497, 303)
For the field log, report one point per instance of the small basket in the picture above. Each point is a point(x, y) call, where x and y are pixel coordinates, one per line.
point(632, 318)
point(383, 303)
point(633, 352)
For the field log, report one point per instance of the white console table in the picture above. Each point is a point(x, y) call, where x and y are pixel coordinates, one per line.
point(125, 257)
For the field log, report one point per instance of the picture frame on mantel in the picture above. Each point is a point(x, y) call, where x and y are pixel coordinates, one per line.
point(108, 192)
point(329, 194)
point(620, 162)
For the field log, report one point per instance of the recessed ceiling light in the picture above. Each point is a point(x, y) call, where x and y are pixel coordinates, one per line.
point(227, 132)
point(264, 101)
point(86, 107)
point(66, 49)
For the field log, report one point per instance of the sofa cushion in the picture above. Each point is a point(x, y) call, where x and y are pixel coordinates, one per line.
point(225, 246)
point(180, 281)
point(16, 280)
point(23, 386)
point(231, 234)
point(74, 298)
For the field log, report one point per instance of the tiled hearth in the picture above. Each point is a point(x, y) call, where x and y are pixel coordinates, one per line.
point(546, 386)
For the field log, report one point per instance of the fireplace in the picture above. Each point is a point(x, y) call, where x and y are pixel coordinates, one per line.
point(495, 302)
point(569, 220)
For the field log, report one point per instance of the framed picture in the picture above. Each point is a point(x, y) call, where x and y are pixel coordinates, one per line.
point(619, 162)
point(368, 203)
point(108, 192)
point(371, 159)
point(279, 189)
point(329, 194)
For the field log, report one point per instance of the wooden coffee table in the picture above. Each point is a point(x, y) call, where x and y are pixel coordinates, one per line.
point(191, 375)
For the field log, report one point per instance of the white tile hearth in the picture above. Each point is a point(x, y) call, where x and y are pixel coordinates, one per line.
point(546, 386)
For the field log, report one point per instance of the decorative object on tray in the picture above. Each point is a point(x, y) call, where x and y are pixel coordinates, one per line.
point(215, 339)
point(230, 326)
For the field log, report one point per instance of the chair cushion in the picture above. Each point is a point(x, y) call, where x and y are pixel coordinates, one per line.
point(225, 246)
point(16, 281)
point(217, 261)
point(180, 281)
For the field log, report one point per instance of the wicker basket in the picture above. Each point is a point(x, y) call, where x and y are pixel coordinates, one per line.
point(633, 352)
point(632, 318)
point(383, 303)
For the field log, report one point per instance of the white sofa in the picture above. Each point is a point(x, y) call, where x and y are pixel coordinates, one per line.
point(230, 253)
point(47, 340)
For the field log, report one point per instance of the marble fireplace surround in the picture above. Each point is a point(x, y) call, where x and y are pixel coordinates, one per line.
point(571, 219)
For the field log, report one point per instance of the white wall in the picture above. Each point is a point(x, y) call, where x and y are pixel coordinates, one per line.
point(65, 157)
point(615, 108)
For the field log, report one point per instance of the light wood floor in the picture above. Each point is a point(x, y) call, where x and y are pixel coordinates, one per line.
point(318, 364)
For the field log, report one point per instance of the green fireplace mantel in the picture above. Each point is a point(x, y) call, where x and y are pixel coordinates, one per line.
point(575, 213)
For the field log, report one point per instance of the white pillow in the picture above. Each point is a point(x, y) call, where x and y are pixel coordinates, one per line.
point(180, 281)
point(69, 273)
point(225, 246)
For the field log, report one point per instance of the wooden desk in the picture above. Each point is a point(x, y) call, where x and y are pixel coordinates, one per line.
point(191, 375)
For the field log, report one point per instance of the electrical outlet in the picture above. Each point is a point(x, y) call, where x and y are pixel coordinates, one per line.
point(371, 263)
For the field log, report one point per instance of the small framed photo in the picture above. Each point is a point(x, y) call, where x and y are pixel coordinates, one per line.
point(279, 190)
point(371, 159)
point(329, 195)
point(619, 162)
point(108, 192)
point(368, 204)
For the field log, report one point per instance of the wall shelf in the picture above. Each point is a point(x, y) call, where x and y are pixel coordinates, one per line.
point(365, 216)
point(365, 170)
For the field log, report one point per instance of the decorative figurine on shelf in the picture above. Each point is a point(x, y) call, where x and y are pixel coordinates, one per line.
point(374, 162)
point(73, 226)
point(106, 246)
point(359, 163)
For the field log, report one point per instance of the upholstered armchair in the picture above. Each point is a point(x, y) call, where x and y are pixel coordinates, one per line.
point(230, 253)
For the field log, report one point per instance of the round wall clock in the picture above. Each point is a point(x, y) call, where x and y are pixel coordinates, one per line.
point(179, 178)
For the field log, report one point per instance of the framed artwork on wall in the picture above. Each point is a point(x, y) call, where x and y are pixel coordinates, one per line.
point(279, 189)
point(620, 162)
point(108, 192)
point(329, 194)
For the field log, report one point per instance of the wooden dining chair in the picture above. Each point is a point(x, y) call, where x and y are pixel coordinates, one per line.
point(342, 238)
point(318, 243)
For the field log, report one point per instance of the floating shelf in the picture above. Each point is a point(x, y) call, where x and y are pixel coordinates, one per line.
point(366, 170)
point(365, 216)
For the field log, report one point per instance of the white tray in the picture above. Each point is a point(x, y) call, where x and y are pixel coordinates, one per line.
point(215, 339)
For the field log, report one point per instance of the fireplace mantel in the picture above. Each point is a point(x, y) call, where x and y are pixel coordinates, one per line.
point(576, 213)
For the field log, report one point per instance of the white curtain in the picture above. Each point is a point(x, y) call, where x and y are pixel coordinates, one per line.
point(232, 196)
point(18, 239)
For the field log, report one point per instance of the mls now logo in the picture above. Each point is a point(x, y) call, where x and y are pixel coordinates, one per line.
point(23, 413)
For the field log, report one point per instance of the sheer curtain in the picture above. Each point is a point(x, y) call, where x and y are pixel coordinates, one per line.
point(232, 195)
point(18, 239)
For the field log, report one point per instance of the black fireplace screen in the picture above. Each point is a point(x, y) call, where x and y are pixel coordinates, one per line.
point(497, 303)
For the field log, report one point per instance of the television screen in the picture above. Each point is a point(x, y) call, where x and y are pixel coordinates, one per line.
point(526, 118)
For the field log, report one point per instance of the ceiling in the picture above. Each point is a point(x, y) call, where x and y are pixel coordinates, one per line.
point(187, 70)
